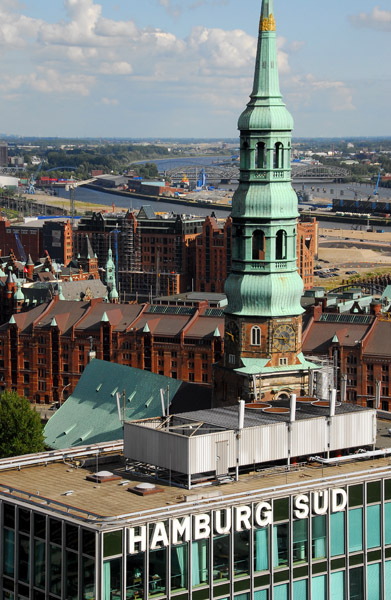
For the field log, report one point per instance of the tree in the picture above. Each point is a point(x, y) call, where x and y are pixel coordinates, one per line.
point(21, 431)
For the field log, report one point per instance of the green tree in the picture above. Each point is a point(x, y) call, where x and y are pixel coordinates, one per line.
point(21, 431)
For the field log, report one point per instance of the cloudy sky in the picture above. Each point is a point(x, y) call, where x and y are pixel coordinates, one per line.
point(183, 68)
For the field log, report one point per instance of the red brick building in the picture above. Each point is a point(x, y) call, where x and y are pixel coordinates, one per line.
point(214, 253)
point(155, 252)
point(359, 347)
point(15, 237)
point(44, 351)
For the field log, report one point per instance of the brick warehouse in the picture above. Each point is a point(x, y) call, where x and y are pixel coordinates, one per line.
point(44, 351)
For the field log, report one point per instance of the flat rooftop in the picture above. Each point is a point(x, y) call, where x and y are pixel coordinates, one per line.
point(106, 504)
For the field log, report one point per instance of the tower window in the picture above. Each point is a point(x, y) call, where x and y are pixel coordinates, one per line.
point(258, 245)
point(281, 245)
point(256, 336)
point(278, 156)
point(260, 156)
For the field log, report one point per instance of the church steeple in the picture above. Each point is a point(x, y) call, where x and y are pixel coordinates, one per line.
point(263, 316)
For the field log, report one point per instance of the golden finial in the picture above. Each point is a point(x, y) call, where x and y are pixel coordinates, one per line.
point(267, 23)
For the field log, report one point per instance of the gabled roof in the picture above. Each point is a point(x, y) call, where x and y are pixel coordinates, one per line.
point(146, 212)
point(90, 415)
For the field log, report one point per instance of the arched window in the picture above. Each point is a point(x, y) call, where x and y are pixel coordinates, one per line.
point(281, 245)
point(256, 336)
point(278, 156)
point(258, 245)
point(260, 156)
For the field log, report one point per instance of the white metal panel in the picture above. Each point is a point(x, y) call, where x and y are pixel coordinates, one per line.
point(156, 447)
point(308, 436)
point(352, 430)
point(263, 444)
point(203, 451)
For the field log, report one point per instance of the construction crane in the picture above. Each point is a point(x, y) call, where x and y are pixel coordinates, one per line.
point(33, 180)
point(377, 184)
point(71, 187)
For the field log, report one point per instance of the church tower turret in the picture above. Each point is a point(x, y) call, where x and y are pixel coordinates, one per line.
point(262, 356)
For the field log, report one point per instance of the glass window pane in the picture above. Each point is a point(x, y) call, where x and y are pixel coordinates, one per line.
point(9, 552)
point(300, 541)
point(200, 561)
point(241, 597)
point(24, 558)
point(373, 492)
point(9, 516)
point(71, 575)
point(261, 595)
point(281, 509)
point(355, 495)
point(319, 587)
point(135, 575)
point(55, 531)
point(355, 530)
point(387, 525)
point(40, 526)
point(387, 577)
point(55, 570)
point(280, 592)
point(373, 582)
point(300, 590)
point(319, 537)
point(280, 545)
point(179, 567)
point(72, 537)
point(242, 553)
point(261, 553)
point(88, 542)
point(24, 520)
point(112, 543)
point(356, 584)
point(157, 572)
point(39, 564)
point(87, 578)
point(221, 554)
point(373, 526)
point(112, 580)
point(337, 586)
point(337, 533)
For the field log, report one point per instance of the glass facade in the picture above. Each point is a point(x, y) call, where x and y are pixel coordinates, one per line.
point(340, 555)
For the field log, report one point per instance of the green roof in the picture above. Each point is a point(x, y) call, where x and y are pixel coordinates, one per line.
point(257, 366)
point(90, 414)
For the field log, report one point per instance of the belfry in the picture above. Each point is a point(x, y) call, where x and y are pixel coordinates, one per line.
point(263, 328)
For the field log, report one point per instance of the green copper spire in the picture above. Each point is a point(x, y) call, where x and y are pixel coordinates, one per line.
point(264, 281)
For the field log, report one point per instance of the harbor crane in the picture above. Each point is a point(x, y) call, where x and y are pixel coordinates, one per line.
point(33, 180)
point(376, 192)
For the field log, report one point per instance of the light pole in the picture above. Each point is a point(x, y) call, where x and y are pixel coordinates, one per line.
point(62, 392)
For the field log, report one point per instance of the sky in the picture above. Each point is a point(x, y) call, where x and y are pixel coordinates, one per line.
point(184, 68)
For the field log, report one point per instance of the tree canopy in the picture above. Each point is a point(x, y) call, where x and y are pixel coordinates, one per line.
point(21, 431)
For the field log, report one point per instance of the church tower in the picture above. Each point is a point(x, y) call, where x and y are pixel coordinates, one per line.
point(263, 328)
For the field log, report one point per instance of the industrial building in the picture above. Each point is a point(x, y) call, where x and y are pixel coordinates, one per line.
point(101, 522)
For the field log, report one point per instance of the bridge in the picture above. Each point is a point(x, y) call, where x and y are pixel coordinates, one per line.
point(374, 289)
point(227, 173)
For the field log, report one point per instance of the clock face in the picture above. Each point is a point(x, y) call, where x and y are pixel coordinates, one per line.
point(284, 338)
point(232, 333)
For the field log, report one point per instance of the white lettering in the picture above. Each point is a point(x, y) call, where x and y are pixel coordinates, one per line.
point(140, 540)
point(201, 528)
point(339, 500)
point(242, 518)
point(320, 509)
point(263, 514)
point(159, 536)
point(301, 506)
point(181, 531)
point(218, 527)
